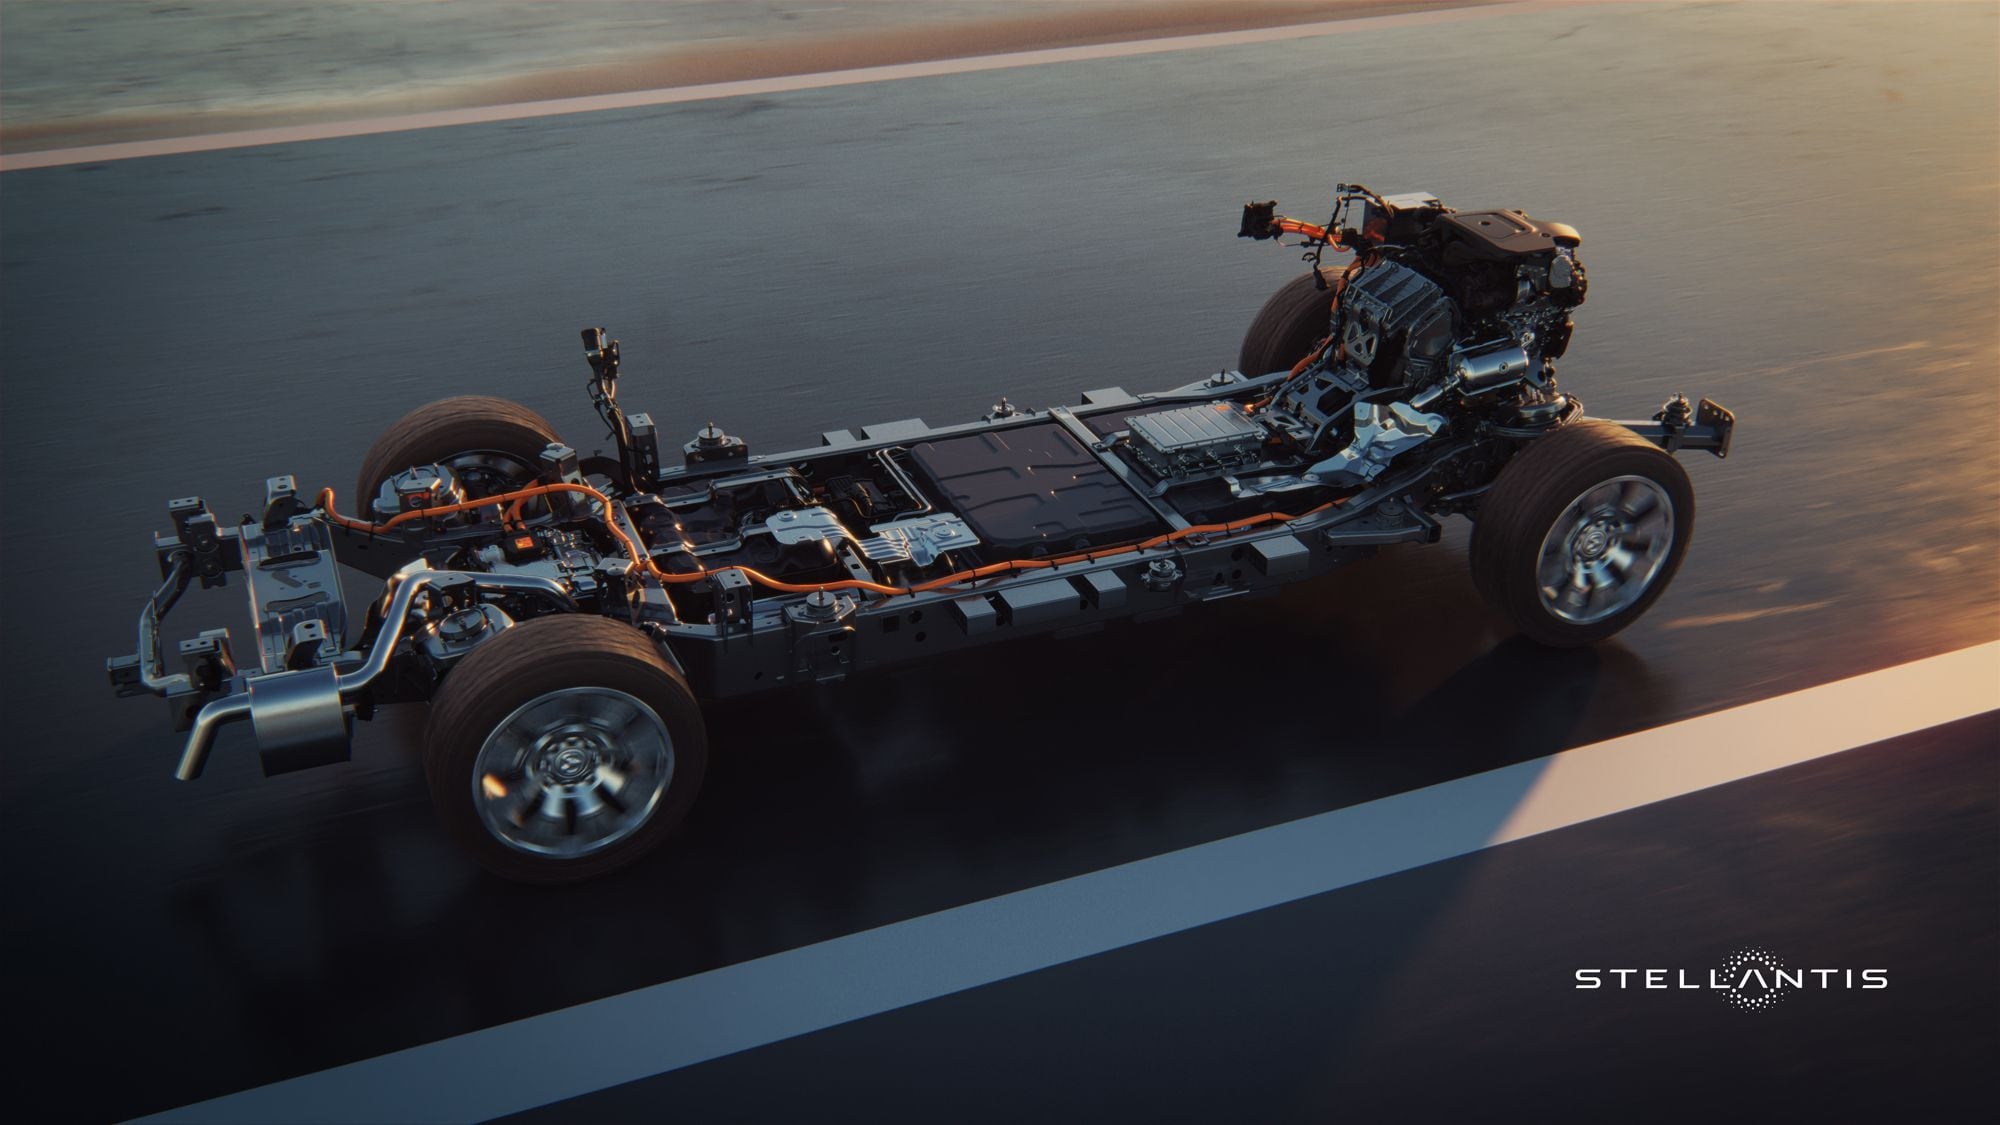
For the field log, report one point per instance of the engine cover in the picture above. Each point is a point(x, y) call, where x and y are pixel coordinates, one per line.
point(1505, 235)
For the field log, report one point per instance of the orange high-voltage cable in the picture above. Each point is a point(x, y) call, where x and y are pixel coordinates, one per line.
point(641, 558)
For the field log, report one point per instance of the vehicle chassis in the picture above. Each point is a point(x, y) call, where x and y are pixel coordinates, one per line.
point(312, 683)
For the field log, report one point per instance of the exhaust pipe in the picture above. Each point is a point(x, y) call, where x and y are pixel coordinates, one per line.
point(301, 717)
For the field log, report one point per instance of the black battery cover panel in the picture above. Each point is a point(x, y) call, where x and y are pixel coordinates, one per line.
point(1032, 490)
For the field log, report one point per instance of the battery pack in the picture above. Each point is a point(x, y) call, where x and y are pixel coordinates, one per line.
point(1175, 443)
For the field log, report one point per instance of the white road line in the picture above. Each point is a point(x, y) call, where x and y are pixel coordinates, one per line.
point(127, 150)
point(563, 1054)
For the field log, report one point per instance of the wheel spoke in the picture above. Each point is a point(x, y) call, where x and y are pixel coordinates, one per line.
point(1578, 591)
point(609, 714)
point(586, 801)
point(1636, 499)
point(1598, 599)
point(527, 809)
point(559, 810)
point(1618, 563)
point(607, 794)
point(612, 779)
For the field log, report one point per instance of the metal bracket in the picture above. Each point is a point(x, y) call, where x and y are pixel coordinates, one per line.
point(1713, 427)
point(211, 547)
point(919, 540)
point(1083, 433)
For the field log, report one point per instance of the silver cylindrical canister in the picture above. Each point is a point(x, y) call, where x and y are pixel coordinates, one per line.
point(299, 719)
point(1488, 366)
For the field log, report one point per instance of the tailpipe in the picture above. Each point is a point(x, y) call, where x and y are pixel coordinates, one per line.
point(299, 719)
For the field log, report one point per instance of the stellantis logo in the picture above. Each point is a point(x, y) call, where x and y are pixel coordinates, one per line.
point(1751, 979)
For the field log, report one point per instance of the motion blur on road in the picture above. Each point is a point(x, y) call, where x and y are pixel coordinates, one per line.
point(1793, 209)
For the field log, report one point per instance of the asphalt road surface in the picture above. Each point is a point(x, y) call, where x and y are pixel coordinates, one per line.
point(1790, 210)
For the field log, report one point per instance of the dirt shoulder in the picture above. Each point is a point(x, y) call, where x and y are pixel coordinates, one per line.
point(104, 71)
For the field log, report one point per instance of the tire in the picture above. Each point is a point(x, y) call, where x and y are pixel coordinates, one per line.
point(1535, 556)
point(562, 684)
point(491, 442)
point(1294, 319)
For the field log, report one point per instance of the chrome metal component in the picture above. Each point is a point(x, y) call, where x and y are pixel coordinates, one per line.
point(293, 583)
point(558, 464)
point(194, 756)
point(293, 580)
point(459, 633)
point(1380, 433)
point(1002, 409)
point(209, 661)
point(1161, 574)
point(1175, 443)
point(295, 707)
point(1269, 485)
point(572, 566)
point(1423, 400)
point(418, 488)
point(887, 550)
point(1561, 272)
point(822, 634)
point(211, 546)
point(1555, 409)
point(886, 458)
point(572, 772)
point(807, 525)
point(1712, 428)
point(308, 644)
point(821, 607)
point(1605, 549)
point(489, 474)
point(299, 718)
point(396, 617)
point(712, 446)
point(920, 540)
point(282, 502)
point(152, 670)
point(1485, 367)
